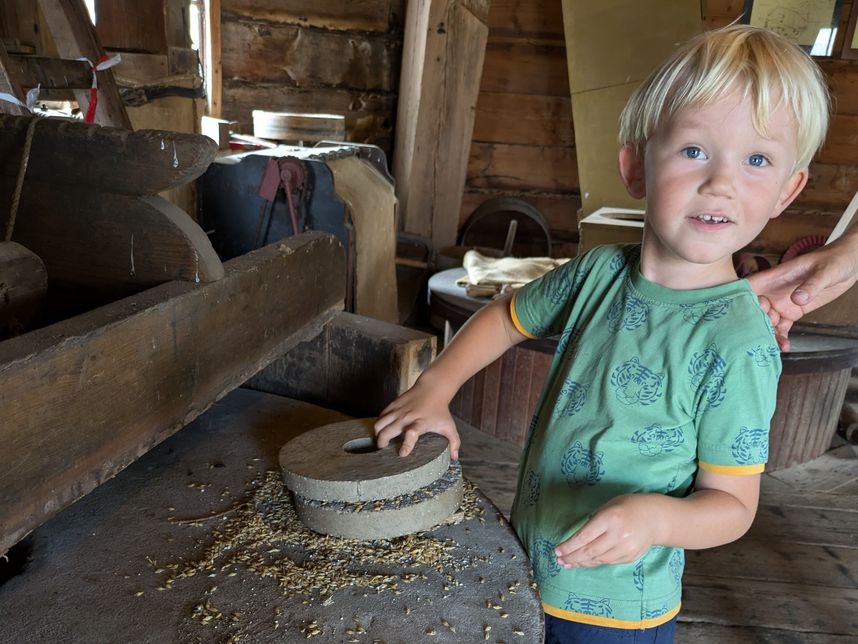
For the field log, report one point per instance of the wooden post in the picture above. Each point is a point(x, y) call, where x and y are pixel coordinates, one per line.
point(74, 37)
point(442, 63)
point(212, 64)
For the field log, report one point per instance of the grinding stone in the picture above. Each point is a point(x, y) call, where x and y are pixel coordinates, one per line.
point(316, 465)
point(386, 519)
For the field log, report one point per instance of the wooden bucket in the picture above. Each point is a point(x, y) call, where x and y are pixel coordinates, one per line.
point(811, 392)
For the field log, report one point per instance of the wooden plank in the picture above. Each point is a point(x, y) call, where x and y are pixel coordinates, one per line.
point(830, 187)
point(442, 65)
point(141, 69)
point(537, 69)
point(724, 8)
point(842, 76)
point(523, 119)
point(75, 414)
point(369, 115)
point(522, 411)
point(71, 153)
point(527, 19)
point(491, 398)
point(74, 36)
point(50, 73)
point(357, 365)
point(841, 145)
point(382, 16)
point(213, 62)
point(824, 474)
point(23, 286)
point(702, 633)
point(9, 85)
point(523, 167)
point(795, 607)
point(305, 58)
point(102, 240)
point(776, 561)
point(138, 26)
point(810, 526)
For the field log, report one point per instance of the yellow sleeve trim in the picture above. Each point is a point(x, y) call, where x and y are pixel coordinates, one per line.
point(611, 622)
point(516, 321)
point(732, 469)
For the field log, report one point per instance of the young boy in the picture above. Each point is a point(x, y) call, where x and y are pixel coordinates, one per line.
point(652, 429)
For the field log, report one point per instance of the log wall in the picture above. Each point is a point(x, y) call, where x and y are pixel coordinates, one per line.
point(338, 56)
point(523, 144)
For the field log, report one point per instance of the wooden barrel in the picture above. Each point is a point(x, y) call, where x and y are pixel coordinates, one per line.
point(811, 392)
point(500, 399)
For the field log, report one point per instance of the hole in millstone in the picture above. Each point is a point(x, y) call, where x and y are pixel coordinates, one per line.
point(364, 445)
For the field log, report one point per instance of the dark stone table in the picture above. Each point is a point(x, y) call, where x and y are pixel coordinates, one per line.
point(197, 542)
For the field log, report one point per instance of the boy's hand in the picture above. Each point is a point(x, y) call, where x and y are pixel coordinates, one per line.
point(417, 411)
point(620, 532)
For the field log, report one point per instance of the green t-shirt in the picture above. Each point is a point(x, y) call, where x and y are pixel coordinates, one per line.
point(647, 384)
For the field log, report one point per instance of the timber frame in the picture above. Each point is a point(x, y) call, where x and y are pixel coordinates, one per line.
point(85, 397)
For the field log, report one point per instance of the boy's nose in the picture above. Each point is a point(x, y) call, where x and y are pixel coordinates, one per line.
point(719, 182)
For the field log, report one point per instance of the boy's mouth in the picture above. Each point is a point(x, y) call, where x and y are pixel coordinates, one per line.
point(712, 219)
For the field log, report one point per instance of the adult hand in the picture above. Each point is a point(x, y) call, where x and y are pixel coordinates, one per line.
point(620, 532)
point(418, 411)
point(803, 284)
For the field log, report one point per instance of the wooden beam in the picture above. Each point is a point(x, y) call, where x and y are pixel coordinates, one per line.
point(84, 398)
point(8, 85)
point(443, 52)
point(357, 365)
point(72, 153)
point(212, 63)
point(50, 73)
point(139, 26)
point(74, 36)
point(114, 242)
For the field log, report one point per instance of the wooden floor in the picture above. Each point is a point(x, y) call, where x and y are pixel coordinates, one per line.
point(792, 578)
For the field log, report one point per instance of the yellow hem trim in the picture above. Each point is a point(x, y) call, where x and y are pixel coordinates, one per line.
point(611, 622)
point(516, 321)
point(732, 469)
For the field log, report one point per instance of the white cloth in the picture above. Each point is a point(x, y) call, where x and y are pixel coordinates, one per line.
point(490, 276)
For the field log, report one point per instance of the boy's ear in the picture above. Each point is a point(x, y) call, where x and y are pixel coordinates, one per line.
point(631, 165)
point(794, 185)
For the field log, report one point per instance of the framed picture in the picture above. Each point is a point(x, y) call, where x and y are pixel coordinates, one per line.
point(811, 24)
point(850, 43)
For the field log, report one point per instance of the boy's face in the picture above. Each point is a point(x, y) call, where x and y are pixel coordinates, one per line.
point(711, 182)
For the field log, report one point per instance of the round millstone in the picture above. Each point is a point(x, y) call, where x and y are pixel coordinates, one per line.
point(340, 462)
point(386, 518)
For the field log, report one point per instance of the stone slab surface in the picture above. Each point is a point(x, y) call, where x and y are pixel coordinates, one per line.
point(100, 571)
point(339, 462)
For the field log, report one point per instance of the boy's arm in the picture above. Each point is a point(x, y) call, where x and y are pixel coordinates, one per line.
point(425, 407)
point(720, 510)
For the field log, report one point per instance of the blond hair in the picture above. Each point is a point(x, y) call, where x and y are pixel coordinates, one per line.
point(768, 68)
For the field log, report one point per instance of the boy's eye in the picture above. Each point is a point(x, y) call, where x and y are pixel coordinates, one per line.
point(758, 160)
point(693, 152)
